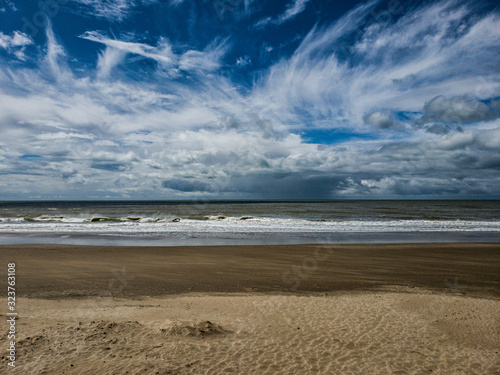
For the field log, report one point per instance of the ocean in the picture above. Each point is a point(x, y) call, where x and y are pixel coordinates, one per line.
point(204, 222)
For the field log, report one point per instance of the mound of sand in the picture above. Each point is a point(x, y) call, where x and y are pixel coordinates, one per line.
point(200, 329)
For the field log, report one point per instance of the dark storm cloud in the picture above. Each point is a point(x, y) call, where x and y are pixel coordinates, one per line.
point(187, 185)
point(111, 167)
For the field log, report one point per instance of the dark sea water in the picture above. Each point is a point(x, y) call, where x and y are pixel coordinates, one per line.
point(247, 222)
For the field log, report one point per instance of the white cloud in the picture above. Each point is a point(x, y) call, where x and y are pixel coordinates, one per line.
point(109, 59)
point(113, 10)
point(292, 10)
point(162, 53)
point(18, 39)
point(15, 44)
point(207, 60)
point(55, 54)
point(243, 61)
point(263, 22)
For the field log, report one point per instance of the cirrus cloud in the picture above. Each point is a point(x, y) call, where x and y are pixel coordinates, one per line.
point(158, 116)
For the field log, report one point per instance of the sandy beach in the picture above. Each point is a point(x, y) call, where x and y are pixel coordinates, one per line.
point(329, 309)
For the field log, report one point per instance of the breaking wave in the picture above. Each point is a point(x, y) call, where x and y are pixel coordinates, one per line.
point(241, 224)
point(104, 219)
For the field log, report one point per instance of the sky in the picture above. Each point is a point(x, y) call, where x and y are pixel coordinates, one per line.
point(249, 99)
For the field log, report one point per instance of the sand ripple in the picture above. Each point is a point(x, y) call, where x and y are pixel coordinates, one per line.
point(383, 333)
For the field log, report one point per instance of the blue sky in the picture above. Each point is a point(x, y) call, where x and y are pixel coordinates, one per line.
point(306, 99)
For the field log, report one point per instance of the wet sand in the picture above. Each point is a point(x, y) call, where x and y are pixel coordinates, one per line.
point(60, 270)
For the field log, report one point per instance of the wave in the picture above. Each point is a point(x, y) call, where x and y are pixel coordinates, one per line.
point(241, 224)
point(105, 219)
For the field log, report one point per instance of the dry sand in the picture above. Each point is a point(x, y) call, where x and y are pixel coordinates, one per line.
point(364, 309)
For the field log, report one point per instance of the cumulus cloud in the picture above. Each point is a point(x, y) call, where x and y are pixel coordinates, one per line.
point(460, 109)
point(382, 120)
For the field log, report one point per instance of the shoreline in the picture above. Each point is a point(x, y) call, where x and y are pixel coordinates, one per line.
point(243, 239)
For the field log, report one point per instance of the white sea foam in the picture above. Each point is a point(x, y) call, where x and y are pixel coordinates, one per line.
point(221, 225)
